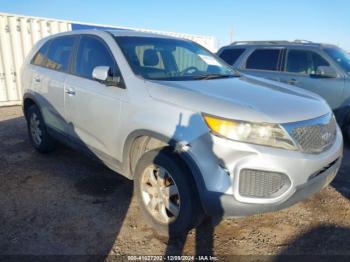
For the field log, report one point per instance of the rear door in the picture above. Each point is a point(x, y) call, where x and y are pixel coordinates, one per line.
point(264, 62)
point(300, 69)
point(48, 79)
point(92, 108)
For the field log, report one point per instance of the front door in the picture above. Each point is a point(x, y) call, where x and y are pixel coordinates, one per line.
point(300, 69)
point(92, 108)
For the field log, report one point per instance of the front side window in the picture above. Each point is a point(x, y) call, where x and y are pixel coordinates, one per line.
point(304, 62)
point(59, 53)
point(92, 52)
point(40, 56)
point(340, 57)
point(230, 56)
point(168, 59)
point(264, 59)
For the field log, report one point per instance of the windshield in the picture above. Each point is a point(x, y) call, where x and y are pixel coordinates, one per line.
point(340, 56)
point(171, 59)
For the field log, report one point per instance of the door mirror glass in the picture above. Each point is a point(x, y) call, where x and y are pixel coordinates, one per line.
point(101, 73)
point(326, 72)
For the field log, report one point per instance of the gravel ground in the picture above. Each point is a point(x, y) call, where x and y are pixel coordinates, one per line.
point(63, 203)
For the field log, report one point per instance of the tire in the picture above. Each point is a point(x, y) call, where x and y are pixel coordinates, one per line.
point(189, 210)
point(37, 130)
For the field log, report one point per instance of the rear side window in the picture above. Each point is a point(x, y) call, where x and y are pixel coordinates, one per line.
point(264, 59)
point(230, 56)
point(59, 53)
point(40, 56)
point(304, 62)
point(92, 52)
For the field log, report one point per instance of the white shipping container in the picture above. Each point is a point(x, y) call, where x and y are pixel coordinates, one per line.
point(19, 33)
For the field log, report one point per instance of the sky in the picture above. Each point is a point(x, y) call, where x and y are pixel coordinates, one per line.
point(236, 20)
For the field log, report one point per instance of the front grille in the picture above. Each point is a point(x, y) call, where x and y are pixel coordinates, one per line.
point(316, 135)
point(262, 184)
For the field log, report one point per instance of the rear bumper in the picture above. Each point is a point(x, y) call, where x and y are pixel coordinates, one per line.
point(226, 205)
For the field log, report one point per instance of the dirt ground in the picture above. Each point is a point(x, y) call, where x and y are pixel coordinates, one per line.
point(63, 203)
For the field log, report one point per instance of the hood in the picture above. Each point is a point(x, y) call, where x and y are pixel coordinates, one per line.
point(244, 98)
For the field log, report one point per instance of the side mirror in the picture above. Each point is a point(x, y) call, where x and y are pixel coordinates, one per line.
point(326, 72)
point(103, 75)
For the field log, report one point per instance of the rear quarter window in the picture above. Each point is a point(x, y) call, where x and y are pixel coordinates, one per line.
point(40, 57)
point(230, 56)
point(264, 59)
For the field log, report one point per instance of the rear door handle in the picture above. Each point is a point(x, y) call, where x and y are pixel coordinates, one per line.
point(70, 91)
point(37, 79)
point(292, 81)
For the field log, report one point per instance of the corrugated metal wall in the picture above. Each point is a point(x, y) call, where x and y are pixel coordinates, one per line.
point(17, 36)
point(19, 33)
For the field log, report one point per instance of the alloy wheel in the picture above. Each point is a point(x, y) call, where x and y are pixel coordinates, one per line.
point(160, 194)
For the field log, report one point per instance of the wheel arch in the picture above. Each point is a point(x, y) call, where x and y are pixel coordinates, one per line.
point(28, 101)
point(150, 140)
point(139, 142)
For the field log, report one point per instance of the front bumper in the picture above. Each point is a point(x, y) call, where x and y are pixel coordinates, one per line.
point(220, 162)
point(226, 205)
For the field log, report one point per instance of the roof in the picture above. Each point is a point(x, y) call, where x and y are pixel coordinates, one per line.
point(123, 32)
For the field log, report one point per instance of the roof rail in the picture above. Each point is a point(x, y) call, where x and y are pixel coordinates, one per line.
point(261, 42)
point(303, 41)
point(272, 42)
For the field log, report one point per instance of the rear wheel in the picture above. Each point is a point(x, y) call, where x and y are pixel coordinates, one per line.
point(37, 130)
point(165, 193)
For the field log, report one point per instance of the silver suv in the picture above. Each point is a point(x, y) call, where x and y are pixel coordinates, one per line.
point(320, 68)
point(196, 137)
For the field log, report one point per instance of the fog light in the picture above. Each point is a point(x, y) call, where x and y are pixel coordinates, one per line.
point(262, 184)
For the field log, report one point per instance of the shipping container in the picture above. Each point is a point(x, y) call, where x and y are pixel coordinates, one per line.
point(19, 33)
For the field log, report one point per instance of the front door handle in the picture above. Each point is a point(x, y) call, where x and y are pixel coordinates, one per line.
point(37, 79)
point(70, 91)
point(292, 81)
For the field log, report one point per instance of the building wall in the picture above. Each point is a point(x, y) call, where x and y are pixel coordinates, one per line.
point(19, 33)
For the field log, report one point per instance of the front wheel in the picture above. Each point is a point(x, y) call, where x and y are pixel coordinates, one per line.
point(166, 194)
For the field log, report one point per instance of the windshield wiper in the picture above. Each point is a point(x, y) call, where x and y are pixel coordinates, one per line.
point(215, 76)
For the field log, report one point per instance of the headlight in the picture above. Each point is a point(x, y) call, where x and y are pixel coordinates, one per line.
point(255, 133)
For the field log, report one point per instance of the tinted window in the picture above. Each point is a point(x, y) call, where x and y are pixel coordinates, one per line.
point(304, 62)
point(40, 56)
point(92, 52)
point(230, 56)
point(264, 59)
point(59, 53)
point(340, 57)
